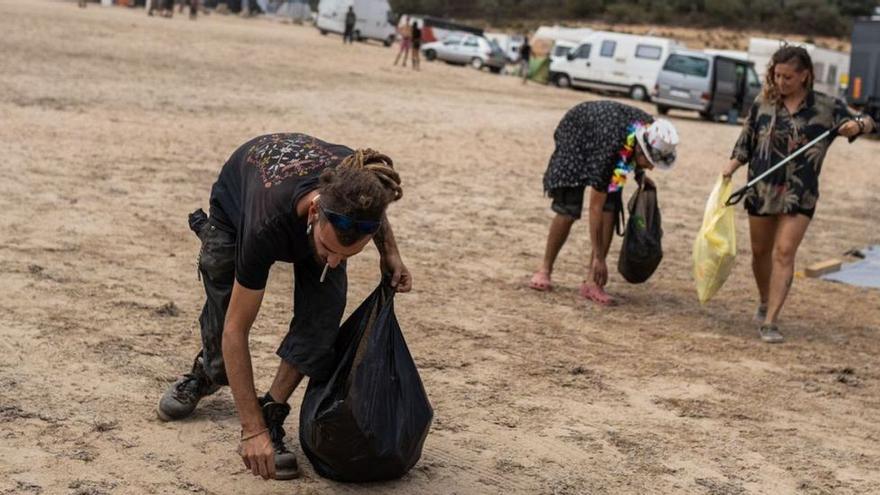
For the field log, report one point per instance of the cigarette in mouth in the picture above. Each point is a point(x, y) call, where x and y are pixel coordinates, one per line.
point(324, 273)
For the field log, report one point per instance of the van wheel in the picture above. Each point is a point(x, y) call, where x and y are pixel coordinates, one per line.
point(357, 36)
point(495, 70)
point(389, 41)
point(562, 81)
point(638, 93)
point(662, 109)
point(323, 33)
point(477, 63)
point(430, 55)
point(708, 116)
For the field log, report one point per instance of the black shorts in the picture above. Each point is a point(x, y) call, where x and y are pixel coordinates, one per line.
point(569, 201)
point(317, 307)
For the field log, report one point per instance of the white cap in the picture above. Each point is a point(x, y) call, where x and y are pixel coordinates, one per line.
point(658, 142)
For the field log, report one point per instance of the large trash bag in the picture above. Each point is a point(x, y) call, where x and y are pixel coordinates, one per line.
point(369, 420)
point(641, 251)
point(715, 245)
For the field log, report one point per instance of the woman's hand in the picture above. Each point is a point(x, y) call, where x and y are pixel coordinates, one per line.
point(850, 129)
point(730, 168)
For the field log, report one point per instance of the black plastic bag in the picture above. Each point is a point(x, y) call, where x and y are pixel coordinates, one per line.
point(641, 251)
point(368, 422)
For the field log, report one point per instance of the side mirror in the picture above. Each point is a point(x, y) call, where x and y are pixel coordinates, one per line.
point(570, 56)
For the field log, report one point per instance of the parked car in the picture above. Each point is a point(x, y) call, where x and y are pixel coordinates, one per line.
point(375, 20)
point(466, 49)
point(710, 84)
point(607, 61)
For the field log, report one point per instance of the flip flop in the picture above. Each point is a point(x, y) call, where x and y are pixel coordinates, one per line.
point(596, 295)
point(541, 282)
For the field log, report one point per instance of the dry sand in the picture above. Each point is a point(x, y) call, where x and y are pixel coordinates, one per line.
point(113, 126)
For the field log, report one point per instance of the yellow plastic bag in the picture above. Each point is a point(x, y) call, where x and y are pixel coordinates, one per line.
point(715, 245)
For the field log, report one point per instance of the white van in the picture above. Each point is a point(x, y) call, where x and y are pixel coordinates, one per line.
point(617, 62)
point(375, 20)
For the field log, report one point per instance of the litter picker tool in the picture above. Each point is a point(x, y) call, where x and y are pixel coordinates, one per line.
point(740, 193)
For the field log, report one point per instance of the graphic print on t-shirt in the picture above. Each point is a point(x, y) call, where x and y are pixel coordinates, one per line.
point(279, 156)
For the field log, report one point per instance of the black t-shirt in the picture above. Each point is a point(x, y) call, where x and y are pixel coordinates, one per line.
point(416, 34)
point(525, 51)
point(256, 195)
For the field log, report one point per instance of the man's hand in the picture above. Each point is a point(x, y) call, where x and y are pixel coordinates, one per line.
point(258, 454)
point(599, 272)
point(401, 279)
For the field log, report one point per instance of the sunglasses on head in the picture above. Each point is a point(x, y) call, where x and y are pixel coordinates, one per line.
point(342, 222)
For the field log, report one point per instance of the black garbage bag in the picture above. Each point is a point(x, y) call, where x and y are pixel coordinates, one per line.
point(641, 251)
point(368, 422)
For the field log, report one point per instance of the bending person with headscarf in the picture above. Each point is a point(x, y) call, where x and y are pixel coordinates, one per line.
point(598, 144)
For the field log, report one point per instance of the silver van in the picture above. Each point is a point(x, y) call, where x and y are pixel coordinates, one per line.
point(710, 84)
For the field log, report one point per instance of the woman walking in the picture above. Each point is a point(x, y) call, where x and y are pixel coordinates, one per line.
point(405, 34)
point(787, 115)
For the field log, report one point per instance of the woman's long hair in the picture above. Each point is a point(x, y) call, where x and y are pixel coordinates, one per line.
point(785, 55)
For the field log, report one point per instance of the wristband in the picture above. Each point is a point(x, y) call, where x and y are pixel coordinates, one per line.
point(253, 435)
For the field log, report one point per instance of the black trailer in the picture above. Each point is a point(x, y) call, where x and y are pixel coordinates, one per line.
point(864, 68)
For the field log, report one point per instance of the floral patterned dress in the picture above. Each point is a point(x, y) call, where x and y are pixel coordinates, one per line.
point(770, 134)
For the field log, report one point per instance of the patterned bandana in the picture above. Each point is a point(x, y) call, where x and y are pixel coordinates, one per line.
point(626, 163)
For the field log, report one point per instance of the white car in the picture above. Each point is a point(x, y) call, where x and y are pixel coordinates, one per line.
point(466, 49)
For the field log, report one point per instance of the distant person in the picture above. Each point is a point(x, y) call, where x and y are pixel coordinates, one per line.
point(525, 55)
point(350, 21)
point(404, 32)
point(416, 44)
point(282, 198)
point(598, 144)
point(787, 115)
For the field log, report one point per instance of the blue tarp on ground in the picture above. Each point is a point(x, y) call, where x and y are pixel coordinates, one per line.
point(862, 273)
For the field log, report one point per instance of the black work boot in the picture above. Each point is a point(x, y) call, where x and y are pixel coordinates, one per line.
point(182, 397)
point(274, 414)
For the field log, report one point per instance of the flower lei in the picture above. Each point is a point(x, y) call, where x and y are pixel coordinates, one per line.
point(625, 164)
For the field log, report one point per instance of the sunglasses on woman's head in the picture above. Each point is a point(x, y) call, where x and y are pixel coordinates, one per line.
point(342, 222)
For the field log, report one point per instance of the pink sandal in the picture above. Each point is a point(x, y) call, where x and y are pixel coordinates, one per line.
point(541, 282)
point(597, 295)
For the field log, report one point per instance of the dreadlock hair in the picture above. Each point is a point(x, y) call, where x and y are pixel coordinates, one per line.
point(784, 55)
point(361, 187)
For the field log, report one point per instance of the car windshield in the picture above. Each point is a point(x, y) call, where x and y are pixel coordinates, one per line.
point(495, 46)
point(687, 65)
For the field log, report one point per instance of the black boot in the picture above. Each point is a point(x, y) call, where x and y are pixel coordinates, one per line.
point(182, 397)
point(274, 414)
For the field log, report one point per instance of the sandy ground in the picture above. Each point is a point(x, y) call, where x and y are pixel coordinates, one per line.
point(113, 127)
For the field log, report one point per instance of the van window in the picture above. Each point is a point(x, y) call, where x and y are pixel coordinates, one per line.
point(687, 65)
point(819, 71)
point(832, 75)
point(752, 77)
point(560, 50)
point(582, 51)
point(651, 52)
point(608, 48)
point(471, 41)
point(452, 40)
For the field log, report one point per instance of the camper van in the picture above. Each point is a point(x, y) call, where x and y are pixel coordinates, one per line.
point(617, 62)
point(710, 84)
point(375, 20)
